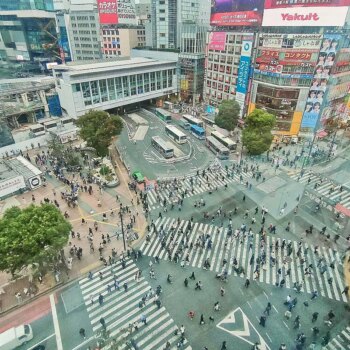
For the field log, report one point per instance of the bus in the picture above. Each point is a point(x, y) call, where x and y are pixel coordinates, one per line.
point(175, 134)
point(37, 130)
point(208, 120)
point(216, 147)
point(163, 114)
point(185, 124)
point(198, 132)
point(192, 120)
point(160, 145)
point(228, 143)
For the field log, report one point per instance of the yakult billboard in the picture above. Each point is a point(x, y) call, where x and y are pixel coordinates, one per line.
point(305, 16)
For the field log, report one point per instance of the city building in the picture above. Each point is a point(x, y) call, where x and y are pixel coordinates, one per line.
point(20, 5)
point(119, 40)
point(143, 11)
point(28, 35)
point(294, 67)
point(84, 30)
point(104, 85)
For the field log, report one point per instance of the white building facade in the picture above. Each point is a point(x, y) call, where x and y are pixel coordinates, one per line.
point(112, 84)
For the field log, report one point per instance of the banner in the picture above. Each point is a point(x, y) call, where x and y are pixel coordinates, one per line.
point(126, 12)
point(236, 12)
point(107, 10)
point(305, 17)
point(217, 41)
point(318, 88)
point(11, 185)
point(291, 41)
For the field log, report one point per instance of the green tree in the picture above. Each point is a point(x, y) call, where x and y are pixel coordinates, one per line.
point(98, 129)
point(56, 147)
point(257, 136)
point(34, 235)
point(228, 114)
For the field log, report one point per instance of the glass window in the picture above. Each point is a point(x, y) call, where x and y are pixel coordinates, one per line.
point(111, 89)
point(94, 92)
point(103, 90)
point(76, 87)
point(126, 86)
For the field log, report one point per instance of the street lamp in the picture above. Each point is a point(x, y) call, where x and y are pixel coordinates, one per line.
point(122, 226)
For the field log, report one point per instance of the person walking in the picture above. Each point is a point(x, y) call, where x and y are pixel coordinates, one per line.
point(314, 317)
point(262, 321)
point(82, 333)
point(222, 291)
point(143, 319)
point(223, 346)
point(268, 309)
point(103, 323)
point(247, 283)
point(201, 321)
point(100, 299)
point(192, 277)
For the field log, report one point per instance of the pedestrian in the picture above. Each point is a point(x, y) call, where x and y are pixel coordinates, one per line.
point(186, 282)
point(192, 277)
point(103, 323)
point(82, 333)
point(314, 317)
point(268, 309)
point(125, 285)
point(222, 291)
point(100, 299)
point(346, 290)
point(262, 321)
point(223, 346)
point(182, 330)
point(247, 283)
point(143, 319)
point(201, 322)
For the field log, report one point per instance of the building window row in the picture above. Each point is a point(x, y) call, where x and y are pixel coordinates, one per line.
point(99, 91)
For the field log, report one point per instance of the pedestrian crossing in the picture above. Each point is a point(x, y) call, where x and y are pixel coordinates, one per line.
point(170, 240)
point(340, 342)
point(326, 188)
point(210, 181)
point(120, 309)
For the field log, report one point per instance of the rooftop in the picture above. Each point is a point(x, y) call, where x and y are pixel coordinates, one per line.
point(99, 65)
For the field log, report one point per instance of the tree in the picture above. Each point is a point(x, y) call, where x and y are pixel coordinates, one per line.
point(228, 114)
point(30, 236)
point(257, 137)
point(98, 129)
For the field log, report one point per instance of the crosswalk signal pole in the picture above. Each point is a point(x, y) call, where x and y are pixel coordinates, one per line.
point(122, 225)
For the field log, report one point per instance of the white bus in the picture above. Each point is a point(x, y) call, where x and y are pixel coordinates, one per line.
point(224, 140)
point(160, 145)
point(215, 146)
point(175, 134)
point(193, 120)
point(185, 124)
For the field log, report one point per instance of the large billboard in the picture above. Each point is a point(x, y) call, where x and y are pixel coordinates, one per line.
point(117, 11)
point(273, 4)
point(107, 10)
point(318, 88)
point(236, 12)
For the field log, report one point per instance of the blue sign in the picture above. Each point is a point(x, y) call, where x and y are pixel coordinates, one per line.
point(243, 74)
point(309, 119)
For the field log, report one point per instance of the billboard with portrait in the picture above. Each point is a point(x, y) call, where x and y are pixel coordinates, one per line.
point(236, 12)
point(318, 88)
point(309, 13)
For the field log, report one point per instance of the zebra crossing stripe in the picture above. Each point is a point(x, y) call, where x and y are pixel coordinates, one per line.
point(121, 308)
point(340, 342)
point(238, 247)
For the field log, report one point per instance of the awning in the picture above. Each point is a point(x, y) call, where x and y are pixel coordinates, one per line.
point(342, 209)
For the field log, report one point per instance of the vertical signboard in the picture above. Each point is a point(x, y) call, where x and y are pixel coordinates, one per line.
point(126, 12)
point(107, 10)
point(243, 72)
point(318, 88)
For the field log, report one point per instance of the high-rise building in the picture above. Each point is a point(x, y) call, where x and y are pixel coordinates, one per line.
point(293, 67)
point(19, 5)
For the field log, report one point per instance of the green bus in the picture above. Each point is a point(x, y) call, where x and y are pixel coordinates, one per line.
point(163, 114)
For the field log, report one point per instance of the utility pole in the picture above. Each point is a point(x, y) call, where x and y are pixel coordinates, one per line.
point(122, 225)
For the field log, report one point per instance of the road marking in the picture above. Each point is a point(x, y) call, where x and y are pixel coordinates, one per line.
point(41, 341)
point(83, 343)
point(285, 324)
point(269, 338)
point(275, 309)
point(249, 305)
point(266, 296)
point(55, 323)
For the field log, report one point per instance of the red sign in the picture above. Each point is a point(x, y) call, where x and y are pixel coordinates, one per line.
point(270, 68)
point(217, 41)
point(274, 4)
point(247, 18)
point(267, 55)
point(297, 55)
point(107, 10)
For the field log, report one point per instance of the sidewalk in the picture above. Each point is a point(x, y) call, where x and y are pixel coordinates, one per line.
point(89, 210)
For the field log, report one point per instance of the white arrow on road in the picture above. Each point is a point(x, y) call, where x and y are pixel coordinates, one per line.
point(246, 332)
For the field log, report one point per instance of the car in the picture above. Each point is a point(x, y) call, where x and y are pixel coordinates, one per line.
point(137, 175)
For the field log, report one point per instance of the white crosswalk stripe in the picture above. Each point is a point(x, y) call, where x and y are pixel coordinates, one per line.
point(120, 308)
point(340, 342)
point(326, 188)
point(200, 184)
point(170, 237)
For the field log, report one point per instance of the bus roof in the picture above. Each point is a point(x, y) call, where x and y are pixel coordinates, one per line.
point(191, 117)
point(162, 143)
point(175, 130)
point(198, 128)
point(217, 143)
point(163, 111)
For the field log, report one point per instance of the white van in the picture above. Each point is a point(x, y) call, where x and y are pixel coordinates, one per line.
point(16, 336)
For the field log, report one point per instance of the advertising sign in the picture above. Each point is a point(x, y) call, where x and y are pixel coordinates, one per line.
point(243, 73)
point(305, 17)
point(217, 41)
point(273, 4)
point(107, 10)
point(318, 88)
point(291, 41)
point(126, 12)
point(11, 185)
point(236, 12)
